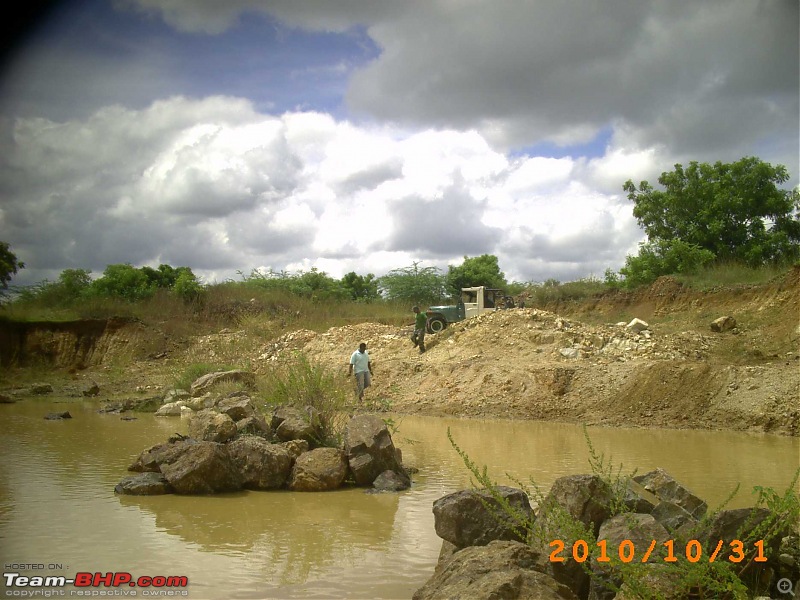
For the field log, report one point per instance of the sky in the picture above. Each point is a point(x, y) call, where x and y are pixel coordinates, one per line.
point(372, 135)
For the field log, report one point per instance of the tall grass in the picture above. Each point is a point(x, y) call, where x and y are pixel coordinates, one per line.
point(302, 383)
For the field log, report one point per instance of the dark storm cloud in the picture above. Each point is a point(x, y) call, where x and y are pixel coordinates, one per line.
point(448, 226)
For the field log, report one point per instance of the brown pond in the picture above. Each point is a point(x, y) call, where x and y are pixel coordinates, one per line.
point(58, 508)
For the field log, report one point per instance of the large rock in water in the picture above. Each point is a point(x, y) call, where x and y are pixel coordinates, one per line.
point(476, 518)
point(629, 528)
point(665, 487)
point(319, 470)
point(203, 468)
point(263, 466)
point(152, 459)
point(369, 448)
point(291, 423)
point(499, 570)
point(144, 484)
point(587, 498)
point(211, 426)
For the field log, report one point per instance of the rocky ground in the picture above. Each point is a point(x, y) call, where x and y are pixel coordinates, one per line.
point(573, 362)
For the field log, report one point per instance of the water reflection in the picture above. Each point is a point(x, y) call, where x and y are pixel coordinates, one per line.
point(293, 532)
point(57, 502)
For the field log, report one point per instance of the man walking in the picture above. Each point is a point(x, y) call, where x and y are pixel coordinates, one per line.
point(361, 365)
point(420, 323)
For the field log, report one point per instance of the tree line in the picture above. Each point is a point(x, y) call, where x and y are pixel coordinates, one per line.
point(703, 213)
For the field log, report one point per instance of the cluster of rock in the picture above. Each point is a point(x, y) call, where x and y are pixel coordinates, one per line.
point(231, 446)
point(496, 546)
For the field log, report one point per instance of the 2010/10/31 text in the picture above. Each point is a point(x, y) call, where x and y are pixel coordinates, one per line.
point(626, 551)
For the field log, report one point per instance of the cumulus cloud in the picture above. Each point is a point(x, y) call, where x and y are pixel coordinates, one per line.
point(216, 186)
point(192, 148)
point(677, 74)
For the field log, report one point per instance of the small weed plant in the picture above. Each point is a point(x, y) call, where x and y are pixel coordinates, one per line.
point(739, 572)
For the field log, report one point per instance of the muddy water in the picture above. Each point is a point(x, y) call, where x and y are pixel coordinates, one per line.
point(58, 508)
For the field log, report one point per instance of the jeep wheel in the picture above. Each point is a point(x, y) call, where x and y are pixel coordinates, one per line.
point(436, 324)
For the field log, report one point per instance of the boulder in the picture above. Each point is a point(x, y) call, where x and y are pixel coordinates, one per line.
point(40, 389)
point(476, 517)
point(723, 324)
point(58, 416)
point(153, 458)
point(740, 524)
point(237, 406)
point(203, 468)
point(319, 470)
point(283, 412)
point(665, 487)
point(501, 569)
point(92, 389)
point(143, 484)
point(6, 399)
point(174, 394)
point(661, 580)
point(201, 402)
point(389, 481)
point(255, 425)
point(586, 498)
point(296, 447)
point(211, 426)
point(171, 409)
point(262, 465)
point(202, 384)
point(296, 429)
point(369, 448)
point(632, 528)
point(637, 326)
point(672, 516)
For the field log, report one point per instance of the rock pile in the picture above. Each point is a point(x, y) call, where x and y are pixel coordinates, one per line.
point(575, 547)
point(231, 445)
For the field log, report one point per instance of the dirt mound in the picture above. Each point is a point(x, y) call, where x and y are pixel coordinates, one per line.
point(533, 363)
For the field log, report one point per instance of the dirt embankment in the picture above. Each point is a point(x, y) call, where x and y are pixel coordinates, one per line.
point(569, 362)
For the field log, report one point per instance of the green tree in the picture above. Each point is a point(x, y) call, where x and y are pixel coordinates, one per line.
point(123, 281)
point(736, 211)
point(663, 257)
point(187, 287)
point(414, 285)
point(479, 270)
point(360, 287)
point(9, 264)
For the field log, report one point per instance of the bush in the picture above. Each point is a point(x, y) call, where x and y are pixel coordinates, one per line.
point(663, 257)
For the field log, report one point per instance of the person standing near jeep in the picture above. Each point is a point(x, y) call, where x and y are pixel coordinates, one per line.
point(420, 324)
point(360, 363)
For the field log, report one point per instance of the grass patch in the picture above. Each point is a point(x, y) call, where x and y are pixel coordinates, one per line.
point(301, 383)
point(731, 275)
